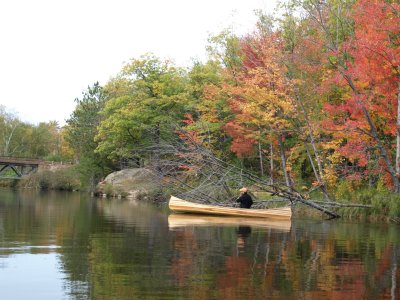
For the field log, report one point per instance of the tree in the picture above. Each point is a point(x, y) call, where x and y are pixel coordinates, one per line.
point(145, 95)
point(364, 62)
point(9, 124)
point(21, 139)
point(258, 93)
point(375, 73)
point(44, 140)
point(305, 68)
point(81, 130)
point(209, 108)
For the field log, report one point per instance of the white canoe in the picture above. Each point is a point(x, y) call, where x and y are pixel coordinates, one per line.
point(182, 206)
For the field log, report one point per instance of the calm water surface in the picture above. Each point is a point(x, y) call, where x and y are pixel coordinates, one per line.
point(71, 246)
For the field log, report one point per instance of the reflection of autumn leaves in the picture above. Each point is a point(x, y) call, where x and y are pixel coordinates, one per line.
point(301, 268)
point(334, 271)
point(185, 245)
point(351, 284)
point(183, 266)
point(236, 281)
point(231, 284)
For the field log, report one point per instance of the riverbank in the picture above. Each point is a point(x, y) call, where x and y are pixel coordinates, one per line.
point(375, 205)
point(65, 179)
point(139, 184)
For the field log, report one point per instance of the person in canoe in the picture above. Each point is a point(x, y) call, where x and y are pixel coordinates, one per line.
point(244, 198)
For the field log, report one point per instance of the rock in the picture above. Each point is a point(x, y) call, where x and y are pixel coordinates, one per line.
point(138, 184)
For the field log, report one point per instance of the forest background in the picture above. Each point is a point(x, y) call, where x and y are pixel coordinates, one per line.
point(310, 98)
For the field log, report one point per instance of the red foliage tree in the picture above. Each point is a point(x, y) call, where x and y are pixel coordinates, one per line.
point(371, 70)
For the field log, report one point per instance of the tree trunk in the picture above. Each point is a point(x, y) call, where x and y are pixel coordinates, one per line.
point(284, 167)
point(7, 140)
point(320, 174)
point(261, 159)
point(398, 132)
point(271, 165)
point(157, 142)
point(312, 139)
point(311, 162)
point(317, 176)
point(384, 154)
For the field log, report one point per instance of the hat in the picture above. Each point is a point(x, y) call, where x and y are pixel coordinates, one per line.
point(243, 189)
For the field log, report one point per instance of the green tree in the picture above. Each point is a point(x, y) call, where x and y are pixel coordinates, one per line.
point(146, 95)
point(43, 140)
point(81, 129)
point(18, 138)
point(210, 110)
point(10, 126)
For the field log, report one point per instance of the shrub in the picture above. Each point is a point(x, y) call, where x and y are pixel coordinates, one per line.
point(44, 180)
point(65, 180)
point(61, 179)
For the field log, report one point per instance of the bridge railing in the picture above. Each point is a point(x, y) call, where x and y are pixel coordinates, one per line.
point(20, 160)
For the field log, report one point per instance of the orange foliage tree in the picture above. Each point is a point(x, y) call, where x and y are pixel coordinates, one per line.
point(260, 96)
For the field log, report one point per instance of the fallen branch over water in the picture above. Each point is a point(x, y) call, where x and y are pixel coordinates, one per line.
point(321, 203)
point(337, 204)
point(190, 171)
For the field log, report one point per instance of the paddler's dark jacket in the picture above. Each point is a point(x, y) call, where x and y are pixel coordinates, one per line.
point(245, 200)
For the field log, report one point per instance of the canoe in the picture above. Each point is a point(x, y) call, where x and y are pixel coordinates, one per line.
point(176, 221)
point(182, 206)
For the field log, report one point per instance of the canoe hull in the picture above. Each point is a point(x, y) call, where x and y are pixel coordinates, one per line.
point(182, 206)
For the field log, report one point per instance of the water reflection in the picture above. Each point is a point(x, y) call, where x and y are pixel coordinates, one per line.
point(184, 220)
point(131, 213)
point(243, 232)
point(115, 249)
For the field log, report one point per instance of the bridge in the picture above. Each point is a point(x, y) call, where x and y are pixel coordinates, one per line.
point(17, 167)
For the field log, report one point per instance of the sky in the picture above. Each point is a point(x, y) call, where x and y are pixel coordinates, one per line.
point(52, 50)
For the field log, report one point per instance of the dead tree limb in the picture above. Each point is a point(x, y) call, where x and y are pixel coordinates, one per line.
point(336, 204)
point(193, 172)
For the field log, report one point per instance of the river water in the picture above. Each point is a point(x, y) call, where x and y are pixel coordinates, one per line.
point(71, 246)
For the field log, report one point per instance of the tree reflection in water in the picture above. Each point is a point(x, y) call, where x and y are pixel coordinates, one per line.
point(115, 249)
point(311, 261)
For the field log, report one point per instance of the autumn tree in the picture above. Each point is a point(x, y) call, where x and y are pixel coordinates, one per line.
point(258, 93)
point(304, 58)
point(373, 75)
point(359, 46)
point(210, 111)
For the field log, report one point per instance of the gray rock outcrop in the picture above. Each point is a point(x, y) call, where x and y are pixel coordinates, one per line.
point(138, 184)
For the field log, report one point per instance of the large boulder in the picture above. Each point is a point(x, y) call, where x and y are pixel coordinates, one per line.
point(139, 184)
